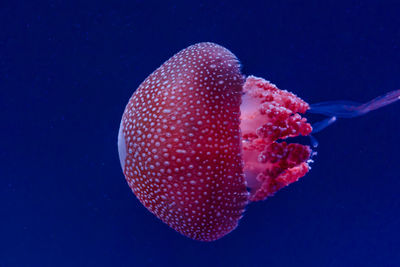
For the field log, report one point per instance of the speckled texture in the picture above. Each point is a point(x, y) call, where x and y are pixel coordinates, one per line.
point(183, 154)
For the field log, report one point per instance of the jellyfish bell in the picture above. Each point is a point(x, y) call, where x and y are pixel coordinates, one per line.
point(198, 141)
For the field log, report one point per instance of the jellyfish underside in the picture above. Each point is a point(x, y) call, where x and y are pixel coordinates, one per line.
point(269, 116)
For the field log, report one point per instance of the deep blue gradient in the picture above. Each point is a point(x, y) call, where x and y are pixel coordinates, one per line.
point(68, 70)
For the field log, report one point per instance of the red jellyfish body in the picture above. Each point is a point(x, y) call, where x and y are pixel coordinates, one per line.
point(198, 141)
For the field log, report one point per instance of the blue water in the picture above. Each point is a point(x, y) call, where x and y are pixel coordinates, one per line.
point(67, 71)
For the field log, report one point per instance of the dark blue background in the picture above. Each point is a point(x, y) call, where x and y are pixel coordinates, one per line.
point(67, 71)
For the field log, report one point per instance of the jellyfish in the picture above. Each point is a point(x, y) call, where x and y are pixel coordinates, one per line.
point(199, 141)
